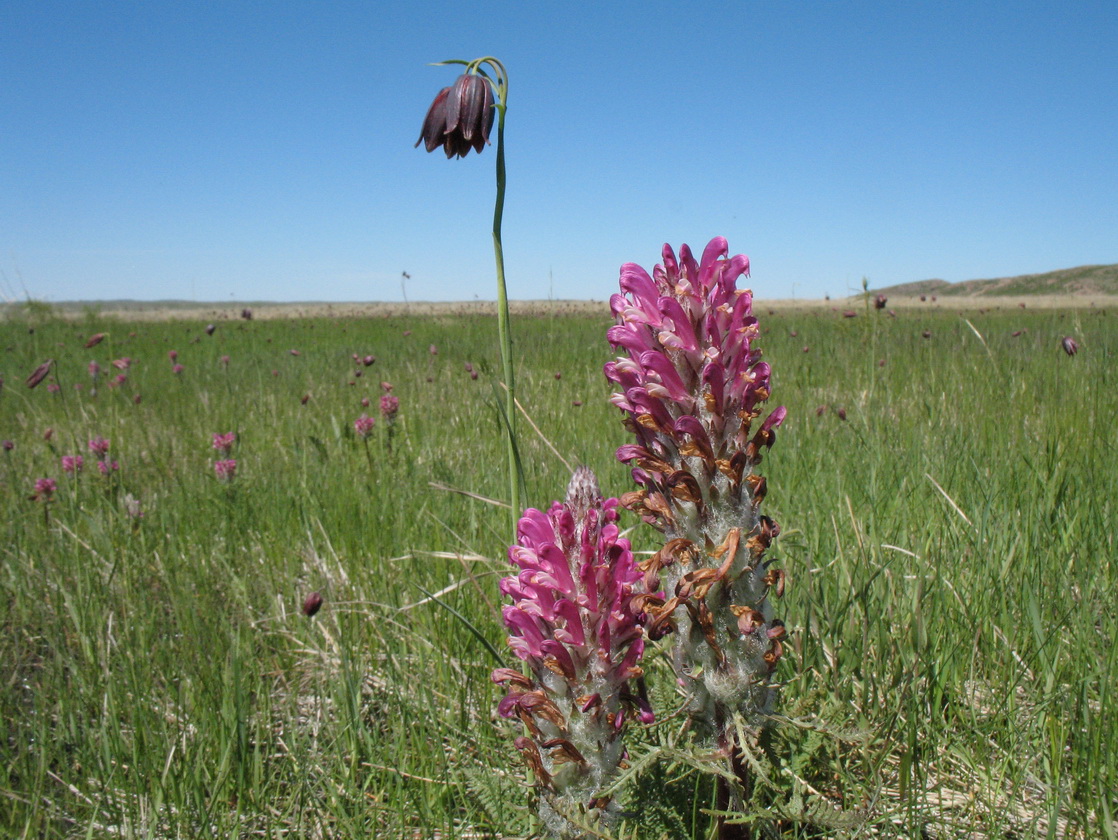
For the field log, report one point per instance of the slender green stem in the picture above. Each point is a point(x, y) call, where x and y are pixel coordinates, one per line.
point(503, 326)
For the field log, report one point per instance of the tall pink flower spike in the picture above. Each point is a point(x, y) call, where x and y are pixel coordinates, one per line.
point(692, 389)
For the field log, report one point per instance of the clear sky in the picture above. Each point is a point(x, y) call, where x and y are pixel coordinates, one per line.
point(238, 151)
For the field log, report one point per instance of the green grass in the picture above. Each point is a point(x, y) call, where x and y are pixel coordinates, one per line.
point(950, 547)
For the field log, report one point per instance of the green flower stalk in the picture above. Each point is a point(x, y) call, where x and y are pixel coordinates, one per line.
point(460, 119)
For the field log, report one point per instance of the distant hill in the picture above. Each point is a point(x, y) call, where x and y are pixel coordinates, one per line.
point(1084, 280)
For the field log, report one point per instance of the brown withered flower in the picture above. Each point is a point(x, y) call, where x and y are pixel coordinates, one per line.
point(460, 118)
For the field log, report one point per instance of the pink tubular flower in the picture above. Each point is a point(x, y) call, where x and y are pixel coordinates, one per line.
point(225, 470)
point(692, 387)
point(389, 406)
point(106, 467)
point(223, 443)
point(177, 369)
point(576, 621)
point(363, 425)
point(98, 446)
point(44, 489)
point(72, 463)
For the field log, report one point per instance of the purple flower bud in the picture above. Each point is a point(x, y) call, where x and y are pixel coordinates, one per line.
point(312, 604)
point(39, 373)
point(1071, 347)
point(210, 328)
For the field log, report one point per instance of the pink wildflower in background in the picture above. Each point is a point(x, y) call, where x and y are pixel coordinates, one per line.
point(106, 467)
point(72, 463)
point(95, 339)
point(8, 445)
point(99, 446)
point(1070, 345)
point(53, 388)
point(94, 370)
point(225, 470)
point(122, 364)
point(223, 443)
point(363, 425)
point(173, 355)
point(44, 489)
point(177, 369)
point(389, 406)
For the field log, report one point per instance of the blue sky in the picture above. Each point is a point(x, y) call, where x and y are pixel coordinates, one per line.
point(237, 151)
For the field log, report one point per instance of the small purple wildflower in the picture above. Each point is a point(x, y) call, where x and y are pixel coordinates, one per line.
point(389, 406)
point(99, 446)
point(1070, 345)
point(226, 469)
point(224, 443)
point(106, 467)
point(72, 463)
point(363, 425)
point(44, 489)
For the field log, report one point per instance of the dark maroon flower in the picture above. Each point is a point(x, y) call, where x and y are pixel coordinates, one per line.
point(926, 333)
point(210, 329)
point(841, 412)
point(39, 373)
point(849, 313)
point(460, 118)
point(1070, 345)
point(880, 301)
point(312, 604)
point(94, 340)
point(246, 313)
point(368, 360)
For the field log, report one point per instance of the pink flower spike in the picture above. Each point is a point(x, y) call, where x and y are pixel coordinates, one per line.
point(223, 443)
point(72, 463)
point(363, 425)
point(225, 470)
point(44, 488)
point(98, 446)
point(389, 406)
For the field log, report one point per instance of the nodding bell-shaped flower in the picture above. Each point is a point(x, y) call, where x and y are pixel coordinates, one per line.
point(460, 118)
point(692, 387)
point(575, 620)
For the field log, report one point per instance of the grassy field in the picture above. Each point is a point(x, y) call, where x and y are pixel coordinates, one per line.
point(946, 485)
